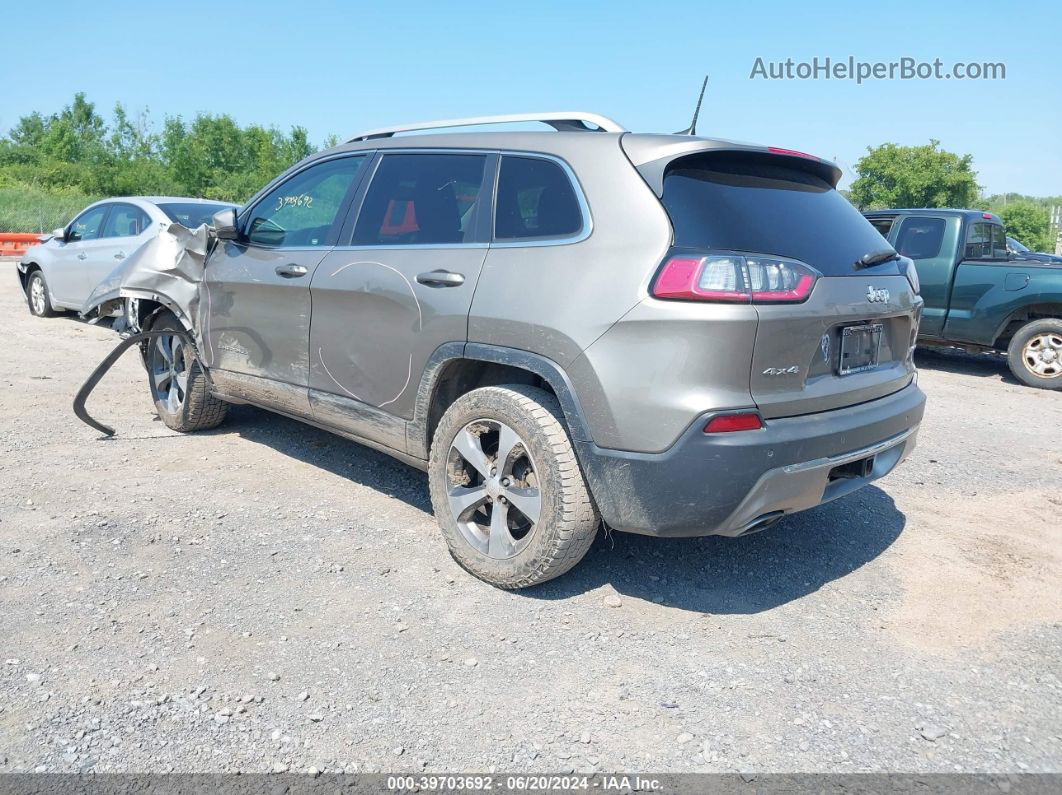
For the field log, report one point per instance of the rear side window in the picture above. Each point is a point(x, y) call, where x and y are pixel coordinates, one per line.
point(985, 241)
point(883, 225)
point(125, 220)
point(747, 203)
point(422, 199)
point(978, 241)
point(535, 200)
point(999, 242)
point(921, 238)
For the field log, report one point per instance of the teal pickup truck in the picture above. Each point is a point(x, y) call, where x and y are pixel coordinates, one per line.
point(977, 296)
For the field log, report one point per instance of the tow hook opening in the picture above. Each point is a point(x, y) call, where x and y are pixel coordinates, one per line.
point(860, 468)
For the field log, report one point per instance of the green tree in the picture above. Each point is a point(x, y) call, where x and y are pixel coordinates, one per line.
point(1029, 224)
point(914, 176)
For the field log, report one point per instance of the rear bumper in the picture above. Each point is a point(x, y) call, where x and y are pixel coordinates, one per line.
point(733, 483)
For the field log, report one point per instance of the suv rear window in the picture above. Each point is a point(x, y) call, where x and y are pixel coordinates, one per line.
point(740, 202)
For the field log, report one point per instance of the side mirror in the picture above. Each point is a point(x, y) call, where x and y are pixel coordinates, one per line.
point(59, 234)
point(224, 223)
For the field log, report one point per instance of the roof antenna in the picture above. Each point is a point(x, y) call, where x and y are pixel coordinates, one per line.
point(692, 130)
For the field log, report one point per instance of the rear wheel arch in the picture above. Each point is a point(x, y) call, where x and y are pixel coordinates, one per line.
point(1022, 317)
point(456, 369)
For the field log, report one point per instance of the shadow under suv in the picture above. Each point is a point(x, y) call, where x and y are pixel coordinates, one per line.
point(677, 335)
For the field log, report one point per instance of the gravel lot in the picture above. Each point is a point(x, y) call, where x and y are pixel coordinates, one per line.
point(269, 597)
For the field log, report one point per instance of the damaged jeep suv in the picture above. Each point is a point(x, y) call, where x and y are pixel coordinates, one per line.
point(676, 335)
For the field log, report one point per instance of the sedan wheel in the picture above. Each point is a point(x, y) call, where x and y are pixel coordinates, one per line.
point(40, 302)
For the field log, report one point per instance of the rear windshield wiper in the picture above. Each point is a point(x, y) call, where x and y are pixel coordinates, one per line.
point(876, 258)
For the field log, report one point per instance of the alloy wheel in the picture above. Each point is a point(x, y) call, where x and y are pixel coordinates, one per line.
point(492, 488)
point(1043, 354)
point(38, 299)
point(169, 372)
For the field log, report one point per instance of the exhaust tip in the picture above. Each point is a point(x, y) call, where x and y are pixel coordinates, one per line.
point(761, 523)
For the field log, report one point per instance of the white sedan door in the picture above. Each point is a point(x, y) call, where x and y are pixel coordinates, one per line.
point(66, 273)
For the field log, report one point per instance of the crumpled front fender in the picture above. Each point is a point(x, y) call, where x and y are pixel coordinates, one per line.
point(168, 269)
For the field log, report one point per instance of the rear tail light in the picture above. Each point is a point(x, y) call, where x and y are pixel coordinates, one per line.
point(907, 267)
point(727, 423)
point(732, 278)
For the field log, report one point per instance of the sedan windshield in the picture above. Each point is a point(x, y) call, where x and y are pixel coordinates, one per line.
point(191, 214)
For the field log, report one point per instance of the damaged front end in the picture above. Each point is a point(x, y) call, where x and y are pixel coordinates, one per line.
point(166, 271)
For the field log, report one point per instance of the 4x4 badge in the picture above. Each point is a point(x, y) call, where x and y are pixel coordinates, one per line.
point(879, 296)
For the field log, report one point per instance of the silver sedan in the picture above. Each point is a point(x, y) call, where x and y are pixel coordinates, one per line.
point(59, 273)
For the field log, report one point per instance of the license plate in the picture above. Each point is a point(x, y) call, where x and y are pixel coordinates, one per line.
point(859, 348)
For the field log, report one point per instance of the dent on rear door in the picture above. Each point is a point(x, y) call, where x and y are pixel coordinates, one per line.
point(373, 329)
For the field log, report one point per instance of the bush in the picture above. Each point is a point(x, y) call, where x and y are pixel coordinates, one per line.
point(25, 208)
point(52, 166)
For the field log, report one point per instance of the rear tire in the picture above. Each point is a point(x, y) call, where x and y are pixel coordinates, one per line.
point(178, 386)
point(507, 489)
point(38, 296)
point(1035, 354)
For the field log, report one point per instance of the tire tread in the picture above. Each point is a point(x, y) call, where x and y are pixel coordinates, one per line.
point(575, 527)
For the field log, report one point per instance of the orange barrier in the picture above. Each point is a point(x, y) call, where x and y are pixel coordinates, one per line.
point(13, 244)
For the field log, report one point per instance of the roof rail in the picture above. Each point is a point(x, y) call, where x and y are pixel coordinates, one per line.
point(567, 121)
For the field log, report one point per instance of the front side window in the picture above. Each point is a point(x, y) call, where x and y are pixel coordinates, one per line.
point(921, 238)
point(535, 200)
point(422, 199)
point(87, 225)
point(125, 220)
point(301, 211)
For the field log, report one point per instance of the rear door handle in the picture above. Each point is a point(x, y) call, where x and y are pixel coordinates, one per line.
point(82, 255)
point(291, 271)
point(441, 278)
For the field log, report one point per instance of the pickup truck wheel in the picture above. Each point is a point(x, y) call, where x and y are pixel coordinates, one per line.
point(178, 386)
point(38, 296)
point(507, 489)
point(1035, 354)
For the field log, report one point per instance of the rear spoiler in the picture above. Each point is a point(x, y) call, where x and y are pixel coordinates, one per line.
point(653, 155)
